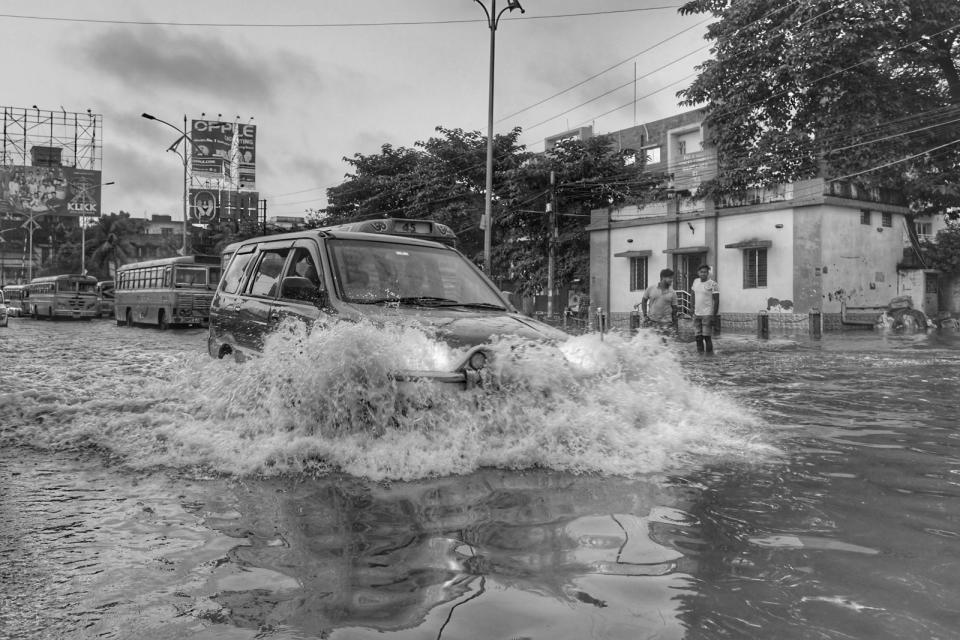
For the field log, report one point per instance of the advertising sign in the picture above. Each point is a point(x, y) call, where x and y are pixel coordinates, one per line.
point(53, 191)
point(211, 147)
point(204, 205)
point(211, 205)
point(247, 152)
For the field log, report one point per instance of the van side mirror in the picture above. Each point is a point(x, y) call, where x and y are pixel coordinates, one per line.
point(298, 288)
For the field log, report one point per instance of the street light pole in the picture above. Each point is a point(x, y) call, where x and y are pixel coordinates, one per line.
point(184, 250)
point(493, 19)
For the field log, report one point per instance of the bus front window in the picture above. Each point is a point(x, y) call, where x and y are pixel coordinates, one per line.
point(190, 276)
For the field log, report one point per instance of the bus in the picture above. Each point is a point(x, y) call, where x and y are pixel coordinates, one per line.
point(166, 292)
point(105, 298)
point(65, 296)
point(17, 296)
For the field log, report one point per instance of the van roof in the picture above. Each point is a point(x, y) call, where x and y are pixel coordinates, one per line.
point(336, 233)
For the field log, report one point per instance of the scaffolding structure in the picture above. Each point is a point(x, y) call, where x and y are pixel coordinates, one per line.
point(78, 135)
point(65, 143)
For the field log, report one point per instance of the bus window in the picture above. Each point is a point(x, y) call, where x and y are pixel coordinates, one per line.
point(190, 276)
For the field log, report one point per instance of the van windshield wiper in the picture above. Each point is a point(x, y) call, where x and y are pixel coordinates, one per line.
point(425, 301)
point(473, 305)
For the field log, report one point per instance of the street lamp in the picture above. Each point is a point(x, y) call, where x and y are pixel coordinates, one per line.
point(183, 156)
point(83, 237)
point(493, 19)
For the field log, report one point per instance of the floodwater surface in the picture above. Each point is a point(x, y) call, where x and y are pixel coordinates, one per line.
point(614, 488)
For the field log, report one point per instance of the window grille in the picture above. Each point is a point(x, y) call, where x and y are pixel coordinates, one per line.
point(886, 219)
point(754, 268)
point(638, 274)
point(864, 216)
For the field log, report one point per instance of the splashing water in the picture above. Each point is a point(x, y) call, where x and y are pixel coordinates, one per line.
point(326, 400)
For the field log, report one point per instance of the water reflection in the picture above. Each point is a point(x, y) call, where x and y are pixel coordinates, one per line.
point(395, 557)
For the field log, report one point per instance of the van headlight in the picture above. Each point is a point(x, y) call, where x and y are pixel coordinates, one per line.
point(478, 360)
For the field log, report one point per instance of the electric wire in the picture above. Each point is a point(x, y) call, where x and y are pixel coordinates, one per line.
point(325, 25)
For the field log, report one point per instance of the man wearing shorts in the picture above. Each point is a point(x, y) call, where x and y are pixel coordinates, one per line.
point(706, 306)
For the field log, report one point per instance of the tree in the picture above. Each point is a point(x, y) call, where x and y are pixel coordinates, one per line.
point(110, 239)
point(441, 179)
point(588, 175)
point(867, 90)
point(944, 252)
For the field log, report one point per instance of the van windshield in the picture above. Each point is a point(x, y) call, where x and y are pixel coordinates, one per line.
point(377, 272)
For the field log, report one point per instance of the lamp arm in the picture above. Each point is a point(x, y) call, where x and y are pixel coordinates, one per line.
point(486, 13)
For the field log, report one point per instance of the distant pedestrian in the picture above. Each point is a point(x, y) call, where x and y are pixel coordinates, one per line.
point(659, 304)
point(706, 306)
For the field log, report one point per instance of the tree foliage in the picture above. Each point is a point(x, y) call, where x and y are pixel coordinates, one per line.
point(839, 89)
point(588, 175)
point(944, 252)
point(110, 243)
point(441, 179)
point(444, 179)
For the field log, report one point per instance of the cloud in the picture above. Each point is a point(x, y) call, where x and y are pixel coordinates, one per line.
point(197, 64)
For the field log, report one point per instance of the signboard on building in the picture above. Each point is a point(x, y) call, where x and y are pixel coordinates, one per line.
point(226, 206)
point(211, 147)
point(247, 154)
point(204, 205)
point(49, 191)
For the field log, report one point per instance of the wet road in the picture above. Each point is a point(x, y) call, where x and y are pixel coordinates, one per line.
point(783, 489)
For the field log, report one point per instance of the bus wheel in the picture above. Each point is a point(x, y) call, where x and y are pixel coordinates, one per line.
point(162, 323)
point(129, 322)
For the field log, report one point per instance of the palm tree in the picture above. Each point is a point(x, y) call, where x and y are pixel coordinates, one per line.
point(112, 242)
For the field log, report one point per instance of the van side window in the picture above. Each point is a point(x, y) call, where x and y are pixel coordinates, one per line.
point(309, 284)
point(267, 274)
point(234, 275)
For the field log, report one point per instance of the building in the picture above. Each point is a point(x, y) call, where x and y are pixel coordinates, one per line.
point(812, 246)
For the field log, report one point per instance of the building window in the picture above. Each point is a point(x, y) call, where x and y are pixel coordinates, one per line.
point(864, 216)
point(682, 147)
point(754, 268)
point(886, 219)
point(924, 230)
point(166, 231)
point(638, 274)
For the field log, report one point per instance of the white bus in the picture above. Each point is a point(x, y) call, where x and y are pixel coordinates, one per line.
point(65, 296)
point(17, 296)
point(166, 292)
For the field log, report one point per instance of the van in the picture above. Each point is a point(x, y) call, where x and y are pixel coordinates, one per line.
point(333, 273)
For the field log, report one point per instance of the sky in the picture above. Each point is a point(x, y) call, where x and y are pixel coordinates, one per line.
point(323, 79)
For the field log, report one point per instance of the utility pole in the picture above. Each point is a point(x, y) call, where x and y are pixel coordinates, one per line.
point(552, 244)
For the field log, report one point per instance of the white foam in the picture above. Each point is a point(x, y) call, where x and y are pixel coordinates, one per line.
point(327, 401)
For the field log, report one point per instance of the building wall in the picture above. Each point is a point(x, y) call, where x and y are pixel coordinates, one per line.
point(600, 257)
point(780, 267)
point(859, 262)
point(642, 238)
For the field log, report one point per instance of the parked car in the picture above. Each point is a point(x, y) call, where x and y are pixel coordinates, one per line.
point(334, 273)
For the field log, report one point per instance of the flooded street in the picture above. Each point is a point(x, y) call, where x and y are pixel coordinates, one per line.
point(607, 489)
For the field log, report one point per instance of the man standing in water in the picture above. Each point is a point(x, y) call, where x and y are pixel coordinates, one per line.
point(706, 306)
point(659, 304)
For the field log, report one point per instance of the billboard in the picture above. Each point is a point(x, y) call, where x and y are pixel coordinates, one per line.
point(49, 191)
point(211, 147)
point(209, 205)
point(217, 145)
point(247, 153)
